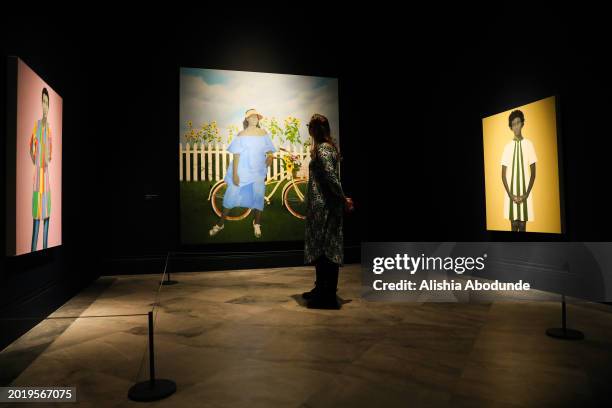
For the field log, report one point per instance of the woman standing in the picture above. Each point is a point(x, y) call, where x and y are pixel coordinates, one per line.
point(323, 243)
point(252, 152)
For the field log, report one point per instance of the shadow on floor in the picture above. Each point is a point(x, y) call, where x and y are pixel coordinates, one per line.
point(14, 362)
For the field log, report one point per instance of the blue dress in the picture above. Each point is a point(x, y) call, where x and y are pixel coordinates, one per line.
point(252, 171)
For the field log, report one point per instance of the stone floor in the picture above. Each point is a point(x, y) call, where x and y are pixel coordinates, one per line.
point(245, 339)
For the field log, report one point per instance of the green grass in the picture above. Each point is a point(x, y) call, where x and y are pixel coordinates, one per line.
point(197, 217)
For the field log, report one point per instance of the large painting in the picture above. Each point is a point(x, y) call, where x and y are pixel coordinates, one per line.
point(34, 162)
point(521, 162)
point(244, 152)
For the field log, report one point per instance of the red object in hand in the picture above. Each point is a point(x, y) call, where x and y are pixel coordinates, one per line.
point(349, 205)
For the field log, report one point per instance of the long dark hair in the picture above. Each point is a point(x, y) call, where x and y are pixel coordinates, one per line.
point(319, 129)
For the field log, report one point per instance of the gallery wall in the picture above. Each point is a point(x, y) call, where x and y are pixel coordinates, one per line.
point(411, 97)
point(435, 97)
point(145, 144)
point(410, 115)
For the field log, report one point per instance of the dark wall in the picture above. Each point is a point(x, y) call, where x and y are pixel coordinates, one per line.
point(143, 138)
point(34, 285)
point(434, 84)
point(413, 90)
point(412, 97)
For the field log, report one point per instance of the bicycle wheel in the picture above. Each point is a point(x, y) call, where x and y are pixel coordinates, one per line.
point(216, 200)
point(295, 198)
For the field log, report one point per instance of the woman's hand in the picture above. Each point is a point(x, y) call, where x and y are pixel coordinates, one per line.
point(269, 159)
point(236, 180)
point(349, 206)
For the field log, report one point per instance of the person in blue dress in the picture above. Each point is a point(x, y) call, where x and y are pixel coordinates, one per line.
point(252, 151)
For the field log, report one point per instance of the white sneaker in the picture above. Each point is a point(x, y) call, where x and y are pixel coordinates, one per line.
point(257, 229)
point(214, 230)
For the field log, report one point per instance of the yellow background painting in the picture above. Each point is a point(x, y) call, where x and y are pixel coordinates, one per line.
point(541, 128)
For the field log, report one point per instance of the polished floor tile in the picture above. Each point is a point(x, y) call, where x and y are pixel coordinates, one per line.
point(245, 339)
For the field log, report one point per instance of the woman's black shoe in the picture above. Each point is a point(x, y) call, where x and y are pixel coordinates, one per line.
point(324, 301)
point(311, 294)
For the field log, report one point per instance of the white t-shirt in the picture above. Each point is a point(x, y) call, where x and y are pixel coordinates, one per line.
point(510, 156)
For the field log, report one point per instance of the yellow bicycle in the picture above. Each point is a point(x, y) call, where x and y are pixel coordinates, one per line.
point(293, 194)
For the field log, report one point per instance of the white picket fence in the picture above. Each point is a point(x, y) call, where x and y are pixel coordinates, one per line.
point(209, 162)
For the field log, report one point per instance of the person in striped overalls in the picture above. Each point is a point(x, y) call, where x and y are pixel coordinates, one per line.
point(518, 175)
point(40, 153)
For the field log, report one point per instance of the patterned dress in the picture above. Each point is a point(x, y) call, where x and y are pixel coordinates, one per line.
point(40, 153)
point(325, 206)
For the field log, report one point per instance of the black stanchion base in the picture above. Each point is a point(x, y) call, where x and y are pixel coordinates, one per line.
point(143, 391)
point(169, 282)
point(565, 334)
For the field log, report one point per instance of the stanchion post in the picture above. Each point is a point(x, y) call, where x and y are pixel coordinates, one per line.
point(151, 351)
point(563, 332)
point(153, 389)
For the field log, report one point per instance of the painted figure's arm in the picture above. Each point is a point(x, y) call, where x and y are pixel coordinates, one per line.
point(503, 176)
point(532, 168)
point(50, 147)
point(33, 146)
point(235, 177)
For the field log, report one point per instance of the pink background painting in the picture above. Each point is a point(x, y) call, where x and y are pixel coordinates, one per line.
point(29, 110)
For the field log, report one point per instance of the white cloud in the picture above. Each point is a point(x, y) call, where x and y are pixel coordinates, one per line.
point(273, 95)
